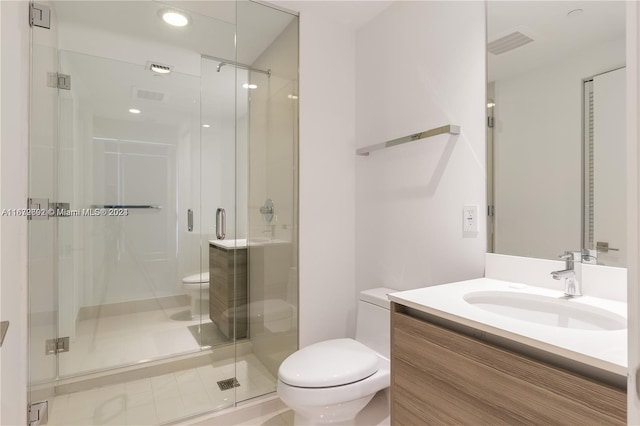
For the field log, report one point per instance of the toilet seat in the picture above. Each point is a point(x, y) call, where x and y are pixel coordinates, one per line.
point(196, 278)
point(331, 363)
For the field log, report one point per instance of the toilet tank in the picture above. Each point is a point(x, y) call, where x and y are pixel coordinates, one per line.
point(373, 326)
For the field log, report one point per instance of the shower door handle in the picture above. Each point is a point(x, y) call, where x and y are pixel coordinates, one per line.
point(221, 224)
point(190, 220)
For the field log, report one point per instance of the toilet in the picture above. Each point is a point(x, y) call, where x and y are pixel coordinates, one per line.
point(333, 380)
point(197, 287)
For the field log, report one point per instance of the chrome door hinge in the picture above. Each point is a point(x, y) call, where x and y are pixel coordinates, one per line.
point(491, 211)
point(56, 346)
point(38, 413)
point(490, 122)
point(38, 208)
point(39, 16)
point(59, 81)
point(42, 209)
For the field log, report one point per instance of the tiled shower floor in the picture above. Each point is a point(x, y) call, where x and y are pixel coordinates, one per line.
point(163, 398)
point(112, 341)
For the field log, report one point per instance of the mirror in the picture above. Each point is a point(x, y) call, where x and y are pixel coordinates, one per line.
point(556, 128)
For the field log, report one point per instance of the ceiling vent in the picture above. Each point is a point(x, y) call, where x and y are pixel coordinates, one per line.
point(148, 95)
point(158, 68)
point(508, 43)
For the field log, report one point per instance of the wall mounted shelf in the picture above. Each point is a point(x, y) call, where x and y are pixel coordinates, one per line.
point(452, 129)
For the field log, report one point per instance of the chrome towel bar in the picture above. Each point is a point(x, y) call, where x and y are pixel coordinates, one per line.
point(126, 206)
point(452, 129)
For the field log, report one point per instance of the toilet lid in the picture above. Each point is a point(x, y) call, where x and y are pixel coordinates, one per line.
point(330, 363)
point(196, 278)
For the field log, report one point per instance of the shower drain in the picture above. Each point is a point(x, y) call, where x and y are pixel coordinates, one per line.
point(227, 384)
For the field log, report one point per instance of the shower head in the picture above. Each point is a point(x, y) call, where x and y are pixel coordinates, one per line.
point(237, 65)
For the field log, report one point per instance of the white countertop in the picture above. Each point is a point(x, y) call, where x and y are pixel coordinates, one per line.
point(242, 243)
point(229, 244)
point(604, 349)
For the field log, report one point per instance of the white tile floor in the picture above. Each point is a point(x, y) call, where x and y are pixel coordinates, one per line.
point(280, 419)
point(275, 413)
point(164, 398)
point(113, 341)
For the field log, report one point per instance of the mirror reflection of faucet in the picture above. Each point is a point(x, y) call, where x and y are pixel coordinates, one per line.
point(571, 274)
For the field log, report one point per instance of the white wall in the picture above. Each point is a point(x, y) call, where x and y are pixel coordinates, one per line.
point(420, 65)
point(327, 173)
point(538, 142)
point(327, 179)
point(436, 251)
point(633, 199)
point(14, 63)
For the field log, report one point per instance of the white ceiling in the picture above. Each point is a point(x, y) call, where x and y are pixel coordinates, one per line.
point(211, 31)
point(351, 14)
point(555, 34)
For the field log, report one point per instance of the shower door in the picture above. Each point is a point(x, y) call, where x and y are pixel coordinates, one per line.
point(122, 169)
point(129, 167)
point(135, 166)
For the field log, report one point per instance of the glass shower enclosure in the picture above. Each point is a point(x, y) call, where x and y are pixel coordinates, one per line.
point(164, 274)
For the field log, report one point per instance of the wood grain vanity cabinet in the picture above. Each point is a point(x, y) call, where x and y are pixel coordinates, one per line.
point(222, 296)
point(443, 377)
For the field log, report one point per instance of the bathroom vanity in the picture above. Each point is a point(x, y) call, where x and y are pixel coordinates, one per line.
point(228, 268)
point(454, 362)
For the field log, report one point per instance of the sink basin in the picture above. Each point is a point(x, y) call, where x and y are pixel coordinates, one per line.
point(545, 310)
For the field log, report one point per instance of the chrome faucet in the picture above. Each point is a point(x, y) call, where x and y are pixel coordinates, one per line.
point(572, 285)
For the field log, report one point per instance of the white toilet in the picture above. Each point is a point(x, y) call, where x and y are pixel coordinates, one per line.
point(197, 287)
point(331, 381)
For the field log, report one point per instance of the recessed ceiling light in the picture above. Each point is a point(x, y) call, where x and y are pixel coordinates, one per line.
point(575, 12)
point(250, 86)
point(206, 125)
point(134, 111)
point(174, 18)
point(490, 104)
